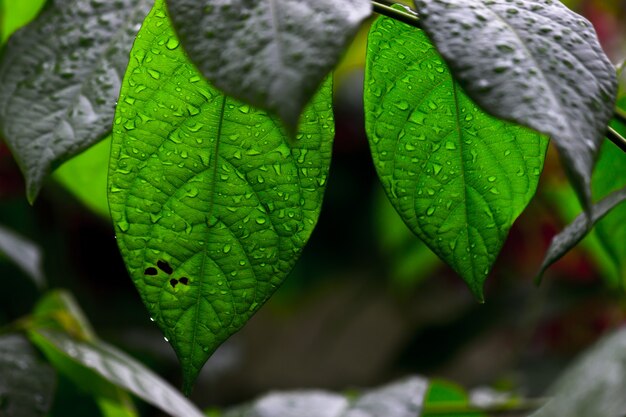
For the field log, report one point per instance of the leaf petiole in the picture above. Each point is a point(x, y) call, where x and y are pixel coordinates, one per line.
point(384, 7)
point(615, 137)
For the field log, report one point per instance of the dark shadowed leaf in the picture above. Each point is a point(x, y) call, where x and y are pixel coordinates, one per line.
point(578, 229)
point(59, 78)
point(273, 54)
point(211, 200)
point(26, 383)
point(458, 177)
point(24, 253)
point(594, 385)
point(534, 62)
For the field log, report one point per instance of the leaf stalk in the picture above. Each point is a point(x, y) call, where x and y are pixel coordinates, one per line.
point(386, 8)
point(615, 137)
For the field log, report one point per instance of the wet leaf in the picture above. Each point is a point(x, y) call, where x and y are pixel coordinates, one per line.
point(27, 384)
point(15, 14)
point(85, 176)
point(533, 62)
point(23, 253)
point(59, 78)
point(212, 202)
point(273, 54)
point(458, 177)
point(594, 385)
point(402, 398)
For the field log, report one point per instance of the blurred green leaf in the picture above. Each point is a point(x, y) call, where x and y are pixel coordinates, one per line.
point(23, 253)
point(409, 259)
point(212, 201)
point(85, 176)
point(27, 384)
point(443, 394)
point(458, 177)
point(594, 385)
point(16, 13)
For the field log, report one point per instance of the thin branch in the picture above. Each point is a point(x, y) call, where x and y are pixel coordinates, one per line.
point(382, 7)
point(615, 137)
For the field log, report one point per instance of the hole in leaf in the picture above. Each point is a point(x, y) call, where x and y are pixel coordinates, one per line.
point(165, 267)
point(184, 281)
point(151, 271)
point(173, 282)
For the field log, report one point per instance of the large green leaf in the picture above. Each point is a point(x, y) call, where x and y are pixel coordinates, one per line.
point(26, 383)
point(594, 384)
point(23, 253)
point(534, 62)
point(458, 177)
point(61, 331)
point(59, 78)
point(211, 200)
point(273, 53)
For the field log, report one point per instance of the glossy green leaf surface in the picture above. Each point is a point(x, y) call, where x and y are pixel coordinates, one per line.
point(458, 177)
point(273, 54)
point(594, 384)
point(85, 176)
point(211, 200)
point(23, 253)
point(60, 329)
point(59, 78)
point(26, 383)
point(534, 62)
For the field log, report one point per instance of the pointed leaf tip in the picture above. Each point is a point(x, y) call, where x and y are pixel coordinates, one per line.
point(59, 78)
point(458, 177)
point(212, 202)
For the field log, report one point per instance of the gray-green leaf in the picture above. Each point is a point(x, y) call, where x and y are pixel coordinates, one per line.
point(404, 398)
point(59, 78)
point(273, 54)
point(594, 385)
point(26, 383)
point(24, 253)
point(578, 229)
point(211, 200)
point(118, 368)
point(458, 177)
point(534, 62)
